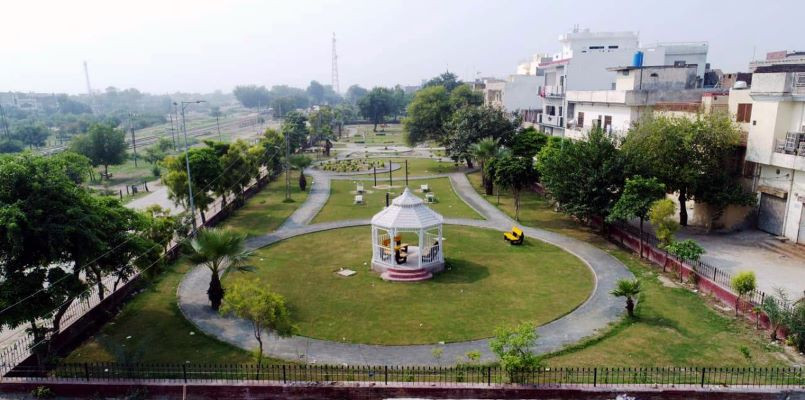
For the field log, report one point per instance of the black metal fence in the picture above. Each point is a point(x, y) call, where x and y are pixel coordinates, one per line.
point(792, 378)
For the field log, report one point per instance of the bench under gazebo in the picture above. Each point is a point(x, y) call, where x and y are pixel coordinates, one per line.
point(396, 260)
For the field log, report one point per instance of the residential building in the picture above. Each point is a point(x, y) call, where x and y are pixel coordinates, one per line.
point(639, 90)
point(584, 63)
point(781, 57)
point(531, 66)
point(773, 110)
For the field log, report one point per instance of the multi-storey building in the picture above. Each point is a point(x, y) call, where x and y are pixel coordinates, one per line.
point(773, 110)
point(585, 61)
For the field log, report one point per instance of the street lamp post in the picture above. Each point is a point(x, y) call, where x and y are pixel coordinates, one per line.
point(287, 169)
point(133, 139)
point(187, 163)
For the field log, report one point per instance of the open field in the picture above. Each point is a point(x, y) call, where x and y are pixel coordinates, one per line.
point(416, 167)
point(340, 205)
point(536, 282)
point(385, 135)
point(674, 326)
point(265, 211)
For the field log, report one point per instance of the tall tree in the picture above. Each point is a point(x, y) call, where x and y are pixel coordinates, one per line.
point(316, 92)
point(483, 151)
point(206, 171)
point(427, 115)
point(515, 173)
point(355, 93)
point(213, 248)
point(691, 156)
point(471, 124)
point(252, 96)
point(635, 202)
point(377, 104)
point(585, 177)
point(30, 134)
point(295, 129)
point(103, 145)
point(463, 96)
point(448, 80)
point(528, 142)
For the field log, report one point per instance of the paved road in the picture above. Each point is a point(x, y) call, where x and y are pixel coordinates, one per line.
point(596, 313)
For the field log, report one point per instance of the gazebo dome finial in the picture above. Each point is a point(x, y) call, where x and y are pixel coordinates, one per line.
point(407, 211)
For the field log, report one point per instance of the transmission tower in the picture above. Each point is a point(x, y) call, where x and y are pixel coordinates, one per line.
point(335, 68)
point(89, 87)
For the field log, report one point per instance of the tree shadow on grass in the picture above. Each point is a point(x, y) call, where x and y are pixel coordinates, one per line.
point(461, 271)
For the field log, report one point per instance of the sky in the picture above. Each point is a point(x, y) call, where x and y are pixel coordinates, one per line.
point(164, 46)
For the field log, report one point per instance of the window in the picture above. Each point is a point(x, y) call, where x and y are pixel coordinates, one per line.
point(607, 123)
point(580, 120)
point(613, 47)
point(744, 112)
point(596, 47)
point(550, 110)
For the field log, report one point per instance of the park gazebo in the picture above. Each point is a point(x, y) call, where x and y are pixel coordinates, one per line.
point(399, 261)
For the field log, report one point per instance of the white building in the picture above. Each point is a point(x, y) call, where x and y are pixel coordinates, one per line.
point(584, 61)
point(515, 94)
point(775, 117)
point(637, 91)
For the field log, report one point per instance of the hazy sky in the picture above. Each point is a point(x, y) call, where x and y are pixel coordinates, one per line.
point(167, 45)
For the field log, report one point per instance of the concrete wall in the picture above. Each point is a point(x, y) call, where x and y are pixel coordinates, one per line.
point(788, 181)
point(622, 117)
point(521, 92)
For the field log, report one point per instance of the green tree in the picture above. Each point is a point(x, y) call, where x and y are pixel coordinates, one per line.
point(469, 125)
point(300, 162)
point(206, 172)
point(515, 173)
point(265, 310)
point(355, 93)
point(661, 215)
point(31, 134)
point(75, 165)
point(691, 156)
point(162, 226)
point(427, 115)
point(528, 142)
point(213, 248)
point(294, 128)
point(743, 283)
point(775, 309)
point(483, 151)
point(513, 346)
point(316, 92)
point(377, 104)
point(638, 195)
point(628, 289)
point(273, 144)
point(795, 324)
point(585, 177)
point(447, 80)
point(239, 167)
point(464, 96)
point(686, 249)
point(103, 145)
point(252, 96)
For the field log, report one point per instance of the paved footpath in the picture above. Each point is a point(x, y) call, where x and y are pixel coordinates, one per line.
point(595, 314)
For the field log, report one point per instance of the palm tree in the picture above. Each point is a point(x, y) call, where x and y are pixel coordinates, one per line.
point(483, 151)
point(301, 162)
point(629, 289)
point(214, 248)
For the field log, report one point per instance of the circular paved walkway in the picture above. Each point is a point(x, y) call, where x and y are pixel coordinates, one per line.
point(595, 314)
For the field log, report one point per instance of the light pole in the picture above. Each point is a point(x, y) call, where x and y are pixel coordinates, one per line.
point(133, 139)
point(287, 169)
point(187, 163)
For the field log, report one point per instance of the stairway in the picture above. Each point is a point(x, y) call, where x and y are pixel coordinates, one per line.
point(406, 274)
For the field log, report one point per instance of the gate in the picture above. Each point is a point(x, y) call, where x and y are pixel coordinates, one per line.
point(771, 214)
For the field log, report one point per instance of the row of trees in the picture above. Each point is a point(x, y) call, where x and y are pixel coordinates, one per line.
point(58, 239)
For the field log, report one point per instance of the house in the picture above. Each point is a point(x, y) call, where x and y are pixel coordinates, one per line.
point(585, 61)
point(773, 110)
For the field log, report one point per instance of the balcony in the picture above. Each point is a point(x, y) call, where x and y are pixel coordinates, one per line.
point(551, 120)
point(552, 91)
point(794, 143)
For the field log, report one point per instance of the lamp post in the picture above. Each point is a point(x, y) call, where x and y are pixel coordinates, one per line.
point(133, 139)
point(187, 163)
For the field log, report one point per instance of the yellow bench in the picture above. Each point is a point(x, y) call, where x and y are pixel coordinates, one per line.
point(515, 236)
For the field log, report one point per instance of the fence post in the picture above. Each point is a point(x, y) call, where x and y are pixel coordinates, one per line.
point(386, 374)
point(86, 371)
point(703, 369)
point(284, 377)
point(488, 376)
point(715, 271)
point(184, 372)
point(595, 376)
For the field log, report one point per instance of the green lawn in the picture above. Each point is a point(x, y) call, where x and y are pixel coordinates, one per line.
point(417, 167)
point(265, 211)
point(342, 196)
point(390, 134)
point(674, 326)
point(159, 332)
point(151, 329)
point(489, 283)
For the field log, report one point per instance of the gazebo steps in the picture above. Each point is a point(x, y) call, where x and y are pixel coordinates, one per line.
point(406, 274)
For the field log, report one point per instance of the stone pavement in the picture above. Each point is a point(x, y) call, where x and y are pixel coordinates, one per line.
point(600, 309)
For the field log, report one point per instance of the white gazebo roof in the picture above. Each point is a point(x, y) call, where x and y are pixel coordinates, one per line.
point(407, 211)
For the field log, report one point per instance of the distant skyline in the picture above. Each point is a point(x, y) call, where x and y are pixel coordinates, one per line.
point(203, 46)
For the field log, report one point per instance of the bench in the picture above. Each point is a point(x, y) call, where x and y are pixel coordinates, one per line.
point(358, 199)
point(430, 197)
point(515, 236)
point(425, 188)
point(359, 189)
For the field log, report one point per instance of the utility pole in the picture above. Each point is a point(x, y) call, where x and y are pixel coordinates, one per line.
point(187, 163)
point(218, 124)
point(133, 138)
point(173, 131)
point(287, 176)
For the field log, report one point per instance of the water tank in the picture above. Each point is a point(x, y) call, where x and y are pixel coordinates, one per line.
point(637, 60)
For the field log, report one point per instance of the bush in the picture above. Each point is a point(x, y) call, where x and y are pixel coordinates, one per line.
point(513, 348)
point(661, 216)
point(686, 249)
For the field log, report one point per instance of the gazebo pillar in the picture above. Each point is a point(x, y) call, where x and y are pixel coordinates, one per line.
point(420, 248)
point(441, 246)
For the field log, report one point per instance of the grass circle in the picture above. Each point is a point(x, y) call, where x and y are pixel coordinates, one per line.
point(489, 283)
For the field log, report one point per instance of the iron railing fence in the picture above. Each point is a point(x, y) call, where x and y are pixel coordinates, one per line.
point(771, 377)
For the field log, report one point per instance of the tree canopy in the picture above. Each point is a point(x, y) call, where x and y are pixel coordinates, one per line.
point(103, 145)
point(448, 80)
point(377, 104)
point(252, 96)
point(427, 114)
